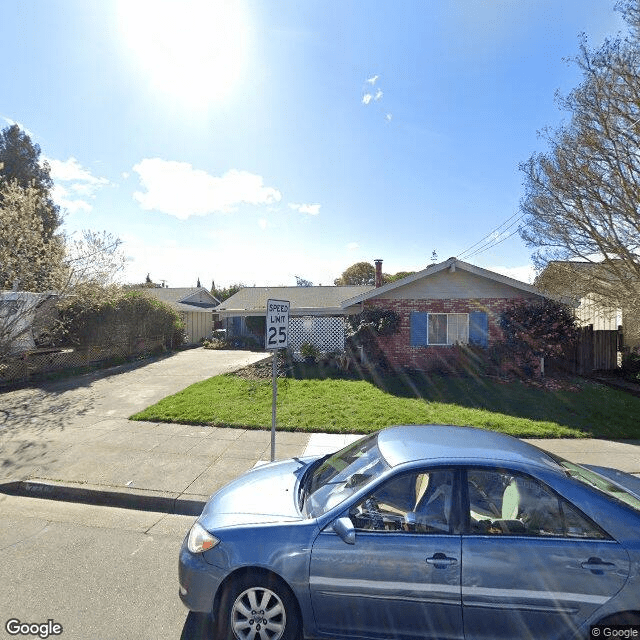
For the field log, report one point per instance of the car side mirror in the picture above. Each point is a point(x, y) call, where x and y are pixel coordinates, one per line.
point(345, 530)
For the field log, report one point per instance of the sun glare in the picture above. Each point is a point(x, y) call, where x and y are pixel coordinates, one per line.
point(194, 51)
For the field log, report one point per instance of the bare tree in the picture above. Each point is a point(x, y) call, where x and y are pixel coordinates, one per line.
point(582, 199)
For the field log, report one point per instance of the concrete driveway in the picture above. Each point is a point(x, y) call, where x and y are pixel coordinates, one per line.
point(76, 430)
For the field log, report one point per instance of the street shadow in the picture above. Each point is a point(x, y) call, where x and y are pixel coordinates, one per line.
point(32, 424)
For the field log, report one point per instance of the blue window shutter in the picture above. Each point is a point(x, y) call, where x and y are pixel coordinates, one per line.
point(418, 329)
point(479, 328)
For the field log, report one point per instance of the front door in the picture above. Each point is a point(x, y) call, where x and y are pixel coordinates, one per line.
point(401, 578)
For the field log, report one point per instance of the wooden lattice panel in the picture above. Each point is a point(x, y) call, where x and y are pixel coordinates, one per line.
point(325, 333)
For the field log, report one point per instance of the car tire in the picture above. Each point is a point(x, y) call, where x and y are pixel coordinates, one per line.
point(258, 607)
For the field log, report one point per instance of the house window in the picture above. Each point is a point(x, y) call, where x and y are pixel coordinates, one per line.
point(457, 328)
point(437, 328)
point(442, 329)
point(447, 328)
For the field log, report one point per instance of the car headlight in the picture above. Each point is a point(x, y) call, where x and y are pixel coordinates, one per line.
point(200, 539)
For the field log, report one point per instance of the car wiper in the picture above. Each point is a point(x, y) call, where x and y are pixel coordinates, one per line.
point(306, 478)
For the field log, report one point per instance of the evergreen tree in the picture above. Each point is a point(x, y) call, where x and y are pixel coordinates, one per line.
point(20, 164)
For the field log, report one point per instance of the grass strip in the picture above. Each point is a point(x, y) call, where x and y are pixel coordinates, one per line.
point(586, 409)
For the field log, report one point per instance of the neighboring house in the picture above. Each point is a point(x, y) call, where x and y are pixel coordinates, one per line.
point(445, 304)
point(449, 303)
point(195, 306)
point(575, 281)
point(316, 314)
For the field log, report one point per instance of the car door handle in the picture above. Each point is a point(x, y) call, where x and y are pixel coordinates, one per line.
point(441, 561)
point(597, 565)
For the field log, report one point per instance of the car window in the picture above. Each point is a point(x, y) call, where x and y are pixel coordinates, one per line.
point(420, 502)
point(507, 503)
point(600, 483)
point(342, 474)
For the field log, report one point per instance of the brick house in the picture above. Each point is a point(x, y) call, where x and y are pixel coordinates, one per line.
point(449, 303)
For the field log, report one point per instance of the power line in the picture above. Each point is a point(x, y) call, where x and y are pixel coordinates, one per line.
point(491, 245)
point(493, 238)
point(492, 234)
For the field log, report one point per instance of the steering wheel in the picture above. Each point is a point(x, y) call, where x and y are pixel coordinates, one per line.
point(373, 514)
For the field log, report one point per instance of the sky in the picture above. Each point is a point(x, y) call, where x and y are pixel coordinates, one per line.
point(253, 141)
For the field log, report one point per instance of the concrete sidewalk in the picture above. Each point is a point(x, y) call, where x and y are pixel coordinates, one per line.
point(72, 439)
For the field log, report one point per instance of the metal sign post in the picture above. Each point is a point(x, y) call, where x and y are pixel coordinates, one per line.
point(276, 337)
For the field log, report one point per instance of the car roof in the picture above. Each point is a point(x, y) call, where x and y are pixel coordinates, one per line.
point(409, 443)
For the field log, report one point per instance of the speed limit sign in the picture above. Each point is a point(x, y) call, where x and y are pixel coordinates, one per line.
point(277, 325)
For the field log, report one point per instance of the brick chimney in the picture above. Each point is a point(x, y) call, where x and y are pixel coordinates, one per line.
point(378, 263)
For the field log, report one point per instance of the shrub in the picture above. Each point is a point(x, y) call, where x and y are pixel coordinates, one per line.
point(309, 352)
point(237, 342)
point(535, 329)
point(122, 318)
point(631, 365)
point(363, 331)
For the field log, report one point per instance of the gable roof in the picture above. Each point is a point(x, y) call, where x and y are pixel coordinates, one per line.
point(303, 300)
point(452, 264)
point(183, 298)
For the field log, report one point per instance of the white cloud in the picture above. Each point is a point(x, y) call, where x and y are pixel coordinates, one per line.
point(352, 246)
point(372, 80)
point(311, 209)
point(63, 198)
point(388, 117)
point(176, 188)
point(367, 98)
point(80, 185)
point(525, 273)
point(378, 95)
point(262, 223)
point(71, 171)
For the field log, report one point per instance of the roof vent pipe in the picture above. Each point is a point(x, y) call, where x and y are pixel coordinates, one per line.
point(378, 263)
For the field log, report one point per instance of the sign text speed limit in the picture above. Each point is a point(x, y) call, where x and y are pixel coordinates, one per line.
point(277, 324)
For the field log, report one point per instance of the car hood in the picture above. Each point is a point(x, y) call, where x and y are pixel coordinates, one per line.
point(263, 495)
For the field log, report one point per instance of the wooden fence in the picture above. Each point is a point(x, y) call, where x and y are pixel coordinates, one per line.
point(594, 351)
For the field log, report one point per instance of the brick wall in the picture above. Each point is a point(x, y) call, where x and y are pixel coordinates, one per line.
point(397, 348)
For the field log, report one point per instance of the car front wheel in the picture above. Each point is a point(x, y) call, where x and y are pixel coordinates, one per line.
point(257, 607)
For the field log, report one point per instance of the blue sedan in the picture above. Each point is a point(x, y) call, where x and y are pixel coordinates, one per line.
point(418, 532)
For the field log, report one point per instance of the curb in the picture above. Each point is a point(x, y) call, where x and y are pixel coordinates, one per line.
point(100, 496)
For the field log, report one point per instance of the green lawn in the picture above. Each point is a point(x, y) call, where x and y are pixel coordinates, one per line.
point(357, 406)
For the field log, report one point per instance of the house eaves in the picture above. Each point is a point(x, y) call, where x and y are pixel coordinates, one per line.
point(452, 264)
point(195, 299)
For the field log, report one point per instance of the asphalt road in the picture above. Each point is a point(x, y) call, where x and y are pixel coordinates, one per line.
point(99, 572)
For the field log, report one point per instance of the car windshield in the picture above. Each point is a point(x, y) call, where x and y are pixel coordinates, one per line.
point(598, 482)
point(341, 475)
